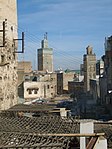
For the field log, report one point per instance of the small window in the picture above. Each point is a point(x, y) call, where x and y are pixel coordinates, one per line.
point(14, 56)
point(47, 86)
point(29, 91)
point(9, 58)
point(35, 91)
point(2, 58)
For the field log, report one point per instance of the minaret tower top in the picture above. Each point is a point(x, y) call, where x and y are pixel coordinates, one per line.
point(44, 42)
point(89, 50)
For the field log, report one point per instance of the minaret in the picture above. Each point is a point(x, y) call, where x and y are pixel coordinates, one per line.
point(8, 58)
point(45, 56)
point(89, 61)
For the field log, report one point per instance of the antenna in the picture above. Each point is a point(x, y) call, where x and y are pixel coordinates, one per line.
point(45, 35)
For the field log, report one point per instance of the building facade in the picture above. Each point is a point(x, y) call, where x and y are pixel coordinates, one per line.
point(41, 86)
point(108, 61)
point(108, 73)
point(62, 81)
point(45, 56)
point(75, 87)
point(24, 70)
point(25, 65)
point(95, 89)
point(8, 57)
point(89, 60)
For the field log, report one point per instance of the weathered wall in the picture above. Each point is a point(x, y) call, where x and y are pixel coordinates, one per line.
point(8, 59)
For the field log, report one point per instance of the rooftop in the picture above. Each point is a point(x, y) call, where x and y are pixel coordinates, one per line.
point(46, 131)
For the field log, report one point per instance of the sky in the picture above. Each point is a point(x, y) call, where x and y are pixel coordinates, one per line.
point(71, 25)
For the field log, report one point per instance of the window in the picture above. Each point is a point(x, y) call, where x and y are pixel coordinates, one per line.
point(47, 86)
point(35, 91)
point(2, 58)
point(51, 79)
point(29, 91)
point(14, 56)
point(9, 58)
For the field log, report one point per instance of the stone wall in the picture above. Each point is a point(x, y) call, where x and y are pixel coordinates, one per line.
point(8, 57)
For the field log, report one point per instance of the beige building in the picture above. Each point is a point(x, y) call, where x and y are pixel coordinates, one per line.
point(43, 85)
point(26, 66)
point(24, 70)
point(89, 60)
point(62, 81)
point(52, 79)
point(8, 58)
point(33, 90)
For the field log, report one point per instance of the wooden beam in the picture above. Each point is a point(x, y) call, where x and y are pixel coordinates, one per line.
point(92, 143)
point(59, 135)
point(54, 111)
point(74, 135)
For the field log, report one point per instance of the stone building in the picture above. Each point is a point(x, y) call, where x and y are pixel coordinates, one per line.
point(25, 65)
point(59, 83)
point(8, 57)
point(108, 61)
point(76, 87)
point(89, 60)
point(45, 56)
point(106, 78)
point(33, 90)
point(95, 89)
point(52, 79)
point(24, 70)
point(103, 88)
point(62, 81)
point(42, 85)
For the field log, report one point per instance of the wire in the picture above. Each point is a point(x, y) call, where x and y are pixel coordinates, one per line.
point(33, 39)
